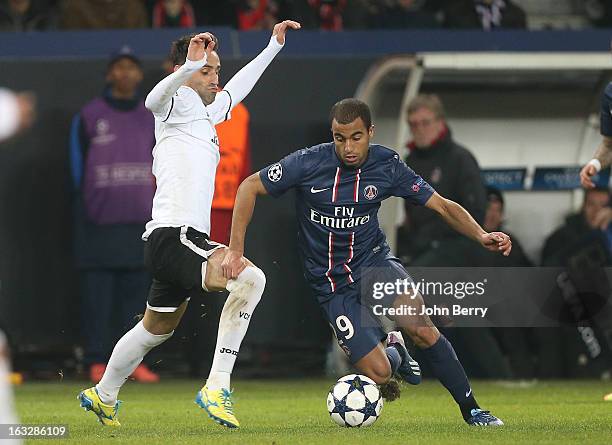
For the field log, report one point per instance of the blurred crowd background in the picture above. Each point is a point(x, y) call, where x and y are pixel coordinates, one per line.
point(330, 15)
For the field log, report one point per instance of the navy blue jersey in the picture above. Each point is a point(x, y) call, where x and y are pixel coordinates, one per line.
point(605, 113)
point(337, 209)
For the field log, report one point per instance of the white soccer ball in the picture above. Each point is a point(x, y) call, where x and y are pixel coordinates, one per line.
point(354, 401)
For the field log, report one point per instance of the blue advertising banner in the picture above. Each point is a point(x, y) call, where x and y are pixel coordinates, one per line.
point(564, 178)
point(504, 178)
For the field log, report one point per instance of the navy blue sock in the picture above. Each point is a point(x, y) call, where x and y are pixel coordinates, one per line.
point(394, 358)
point(447, 368)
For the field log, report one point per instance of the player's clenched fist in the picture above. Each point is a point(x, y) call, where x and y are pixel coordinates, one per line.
point(200, 44)
point(497, 242)
point(280, 29)
point(586, 175)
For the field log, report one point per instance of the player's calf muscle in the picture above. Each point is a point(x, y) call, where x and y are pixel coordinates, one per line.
point(375, 365)
point(161, 323)
point(419, 328)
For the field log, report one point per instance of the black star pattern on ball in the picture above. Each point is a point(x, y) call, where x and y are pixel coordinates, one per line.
point(358, 384)
point(369, 410)
point(340, 407)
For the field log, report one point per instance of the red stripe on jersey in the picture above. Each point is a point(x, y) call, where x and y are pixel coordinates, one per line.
point(330, 261)
point(336, 183)
point(350, 257)
point(356, 190)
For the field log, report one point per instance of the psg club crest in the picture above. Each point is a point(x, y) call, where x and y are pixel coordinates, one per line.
point(370, 192)
point(275, 172)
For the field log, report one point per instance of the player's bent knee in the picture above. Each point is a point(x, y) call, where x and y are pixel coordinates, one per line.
point(253, 280)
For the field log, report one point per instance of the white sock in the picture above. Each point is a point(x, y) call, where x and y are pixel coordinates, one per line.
point(245, 293)
point(7, 411)
point(127, 355)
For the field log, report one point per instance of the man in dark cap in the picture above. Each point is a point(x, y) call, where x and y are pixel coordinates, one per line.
point(110, 155)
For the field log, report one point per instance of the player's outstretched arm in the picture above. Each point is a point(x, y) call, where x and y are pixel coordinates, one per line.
point(244, 80)
point(200, 46)
point(601, 159)
point(234, 262)
point(460, 220)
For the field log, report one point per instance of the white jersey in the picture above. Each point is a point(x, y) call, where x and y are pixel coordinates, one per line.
point(186, 152)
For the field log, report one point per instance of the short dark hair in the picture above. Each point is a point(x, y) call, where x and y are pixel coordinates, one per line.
point(495, 194)
point(347, 110)
point(178, 51)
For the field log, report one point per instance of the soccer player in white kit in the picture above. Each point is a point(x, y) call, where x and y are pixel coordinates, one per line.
point(178, 251)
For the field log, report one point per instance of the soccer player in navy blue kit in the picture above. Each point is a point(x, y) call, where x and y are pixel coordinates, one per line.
point(603, 155)
point(340, 187)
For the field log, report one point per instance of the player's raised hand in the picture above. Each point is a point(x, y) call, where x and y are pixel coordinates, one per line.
point(586, 175)
point(232, 264)
point(497, 242)
point(280, 29)
point(199, 45)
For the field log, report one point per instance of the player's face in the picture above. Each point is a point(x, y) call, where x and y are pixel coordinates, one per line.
point(594, 202)
point(352, 141)
point(206, 81)
point(124, 76)
point(425, 127)
point(493, 216)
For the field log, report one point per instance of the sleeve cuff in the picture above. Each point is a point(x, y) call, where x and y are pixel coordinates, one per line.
point(194, 65)
point(274, 45)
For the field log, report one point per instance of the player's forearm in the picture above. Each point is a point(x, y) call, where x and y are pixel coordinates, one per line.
point(460, 220)
point(161, 94)
point(604, 152)
point(243, 213)
point(244, 80)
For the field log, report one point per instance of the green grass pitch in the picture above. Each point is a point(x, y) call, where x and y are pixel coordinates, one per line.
point(294, 412)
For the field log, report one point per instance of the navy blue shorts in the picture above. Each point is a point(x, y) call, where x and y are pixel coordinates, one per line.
point(357, 329)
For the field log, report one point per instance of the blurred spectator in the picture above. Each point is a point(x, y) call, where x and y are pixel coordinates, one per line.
point(426, 240)
point(483, 14)
point(17, 111)
point(233, 168)
point(402, 14)
point(25, 15)
point(583, 247)
point(103, 14)
point(173, 14)
point(589, 226)
point(599, 12)
point(256, 14)
point(494, 222)
point(452, 170)
point(110, 153)
point(329, 13)
point(516, 343)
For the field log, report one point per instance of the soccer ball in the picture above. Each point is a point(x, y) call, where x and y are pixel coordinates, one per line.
point(354, 401)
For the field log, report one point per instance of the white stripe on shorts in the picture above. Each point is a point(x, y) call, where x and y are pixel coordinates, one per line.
point(201, 252)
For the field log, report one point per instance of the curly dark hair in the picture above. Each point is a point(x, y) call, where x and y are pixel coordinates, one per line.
point(178, 52)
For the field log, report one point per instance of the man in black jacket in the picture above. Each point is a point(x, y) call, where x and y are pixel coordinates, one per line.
point(583, 247)
point(452, 170)
point(425, 241)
